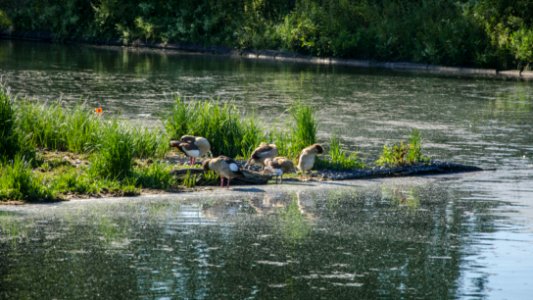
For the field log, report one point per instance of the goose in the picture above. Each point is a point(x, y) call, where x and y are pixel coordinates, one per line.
point(224, 166)
point(307, 157)
point(192, 147)
point(261, 153)
point(278, 165)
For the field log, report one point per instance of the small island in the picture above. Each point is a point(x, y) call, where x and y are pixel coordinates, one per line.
point(51, 153)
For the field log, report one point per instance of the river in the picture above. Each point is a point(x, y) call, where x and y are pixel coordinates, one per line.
point(466, 236)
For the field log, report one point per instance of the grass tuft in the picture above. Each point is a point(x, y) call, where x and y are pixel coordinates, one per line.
point(339, 159)
point(18, 182)
point(403, 154)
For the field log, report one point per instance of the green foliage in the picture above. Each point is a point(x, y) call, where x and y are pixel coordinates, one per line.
point(403, 154)
point(221, 123)
point(9, 145)
point(18, 182)
point(56, 128)
point(156, 176)
point(190, 179)
point(339, 159)
point(484, 33)
point(5, 21)
point(304, 130)
point(114, 157)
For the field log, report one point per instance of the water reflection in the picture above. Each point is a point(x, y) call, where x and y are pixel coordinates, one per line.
point(384, 240)
point(467, 120)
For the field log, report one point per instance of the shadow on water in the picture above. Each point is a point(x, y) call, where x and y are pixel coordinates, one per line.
point(383, 240)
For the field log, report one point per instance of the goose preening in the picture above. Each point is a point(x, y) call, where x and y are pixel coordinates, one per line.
point(277, 166)
point(224, 166)
point(192, 147)
point(261, 153)
point(307, 157)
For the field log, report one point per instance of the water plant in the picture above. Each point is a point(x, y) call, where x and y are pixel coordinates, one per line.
point(18, 182)
point(403, 154)
point(221, 123)
point(156, 175)
point(9, 145)
point(114, 157)
point(338, 158)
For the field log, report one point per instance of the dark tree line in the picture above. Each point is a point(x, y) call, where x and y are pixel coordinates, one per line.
point(482, 33)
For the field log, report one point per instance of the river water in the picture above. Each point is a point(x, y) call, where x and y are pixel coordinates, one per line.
point(467, 236)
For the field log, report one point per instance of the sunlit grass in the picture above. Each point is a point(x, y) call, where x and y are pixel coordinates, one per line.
point(228, 132)
point(402, 154)
point(338, 158)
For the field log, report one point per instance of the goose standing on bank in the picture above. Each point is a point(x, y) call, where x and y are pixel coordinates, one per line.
point(224, 166)
point(277, 166)
point(307, 157)
point(192, 147)
point(261, 153)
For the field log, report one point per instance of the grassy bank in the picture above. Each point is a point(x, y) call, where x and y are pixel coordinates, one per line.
point(479, 33)
point(50, 152)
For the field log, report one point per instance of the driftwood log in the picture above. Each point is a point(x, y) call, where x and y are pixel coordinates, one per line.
point(435, 167)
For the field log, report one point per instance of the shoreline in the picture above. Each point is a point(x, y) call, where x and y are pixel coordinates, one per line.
point(290, 57)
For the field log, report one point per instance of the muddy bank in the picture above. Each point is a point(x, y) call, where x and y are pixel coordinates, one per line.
point(284, 56)
point(434, 168)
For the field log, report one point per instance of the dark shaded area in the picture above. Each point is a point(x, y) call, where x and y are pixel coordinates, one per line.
point(481, 33)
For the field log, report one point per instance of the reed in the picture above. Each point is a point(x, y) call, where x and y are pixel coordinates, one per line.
point(338, 158)
point(403, 154)
point(18, 182)
point(9, 145)
point(221, 123)
point(156, 176)
point(114, 157)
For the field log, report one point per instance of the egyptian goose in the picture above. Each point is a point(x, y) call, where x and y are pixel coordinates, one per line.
point(192, 147)
point(261, 153)
point(224, 166)
point(307, 157)
point(277, 166)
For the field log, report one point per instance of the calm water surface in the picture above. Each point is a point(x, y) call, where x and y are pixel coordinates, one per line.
point(464, 236)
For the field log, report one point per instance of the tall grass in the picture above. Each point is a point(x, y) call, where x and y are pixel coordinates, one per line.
point(9, 145)
point(18, 182)
point(403, 154)
point(221, 123)
point(339, 159)
point(114, 157)
point(56, 128)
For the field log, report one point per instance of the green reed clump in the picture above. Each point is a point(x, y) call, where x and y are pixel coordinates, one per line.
point(190, 180)
point(304, 130)
point(148, 143)
point(156, 176)
point(338, 158)
point(9, 144)
point(114, 157)
point(57, 128)
point(403, 154)
point(221, 123)
point(18, 182)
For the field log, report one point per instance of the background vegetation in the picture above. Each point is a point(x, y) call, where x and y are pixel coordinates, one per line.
point(482, 33)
